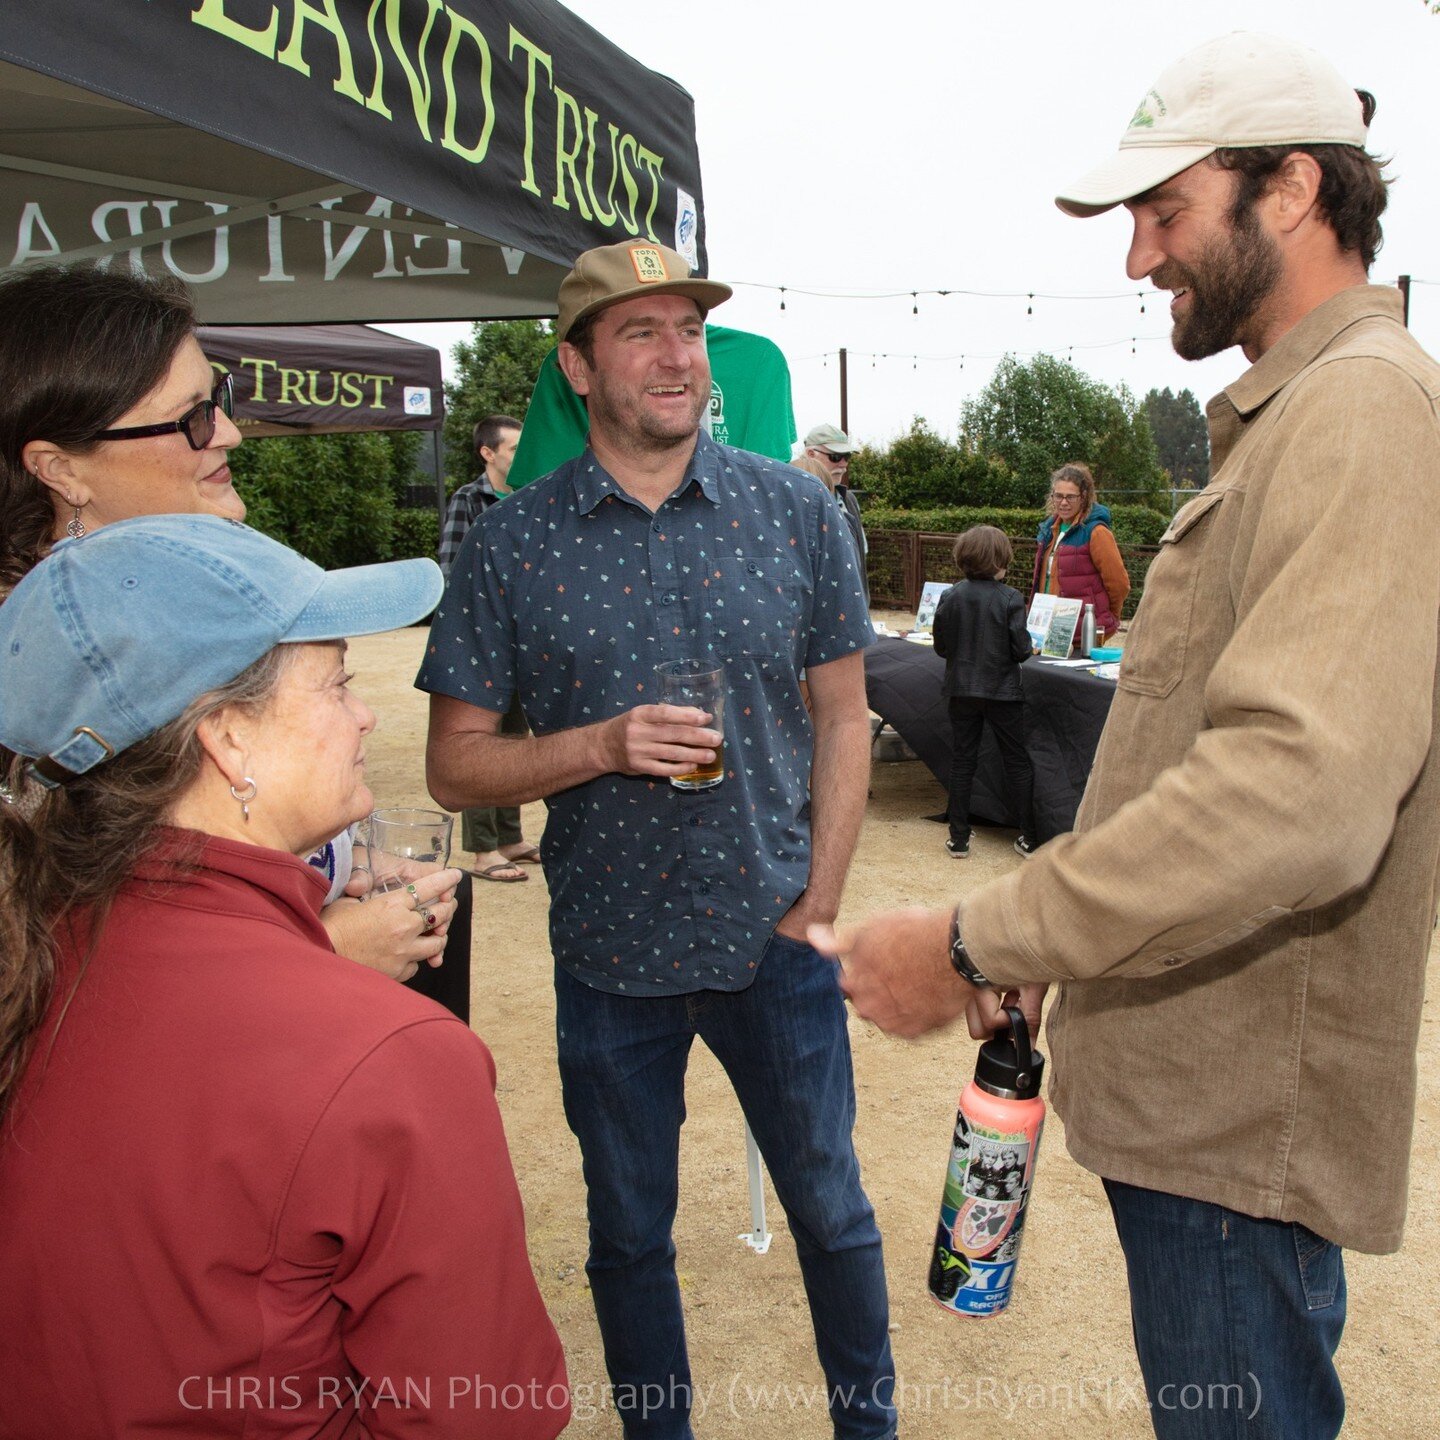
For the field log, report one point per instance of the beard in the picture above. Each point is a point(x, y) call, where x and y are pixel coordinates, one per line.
point(1231, 279)
point(622, 416)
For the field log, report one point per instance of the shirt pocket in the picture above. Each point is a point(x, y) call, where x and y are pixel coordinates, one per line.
point(756, 605)
point(1154, 659)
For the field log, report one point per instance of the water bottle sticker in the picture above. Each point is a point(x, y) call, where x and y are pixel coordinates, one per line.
point(982, 1225)
point(997, 1167)
point(948, 1271)
point(989, 1284)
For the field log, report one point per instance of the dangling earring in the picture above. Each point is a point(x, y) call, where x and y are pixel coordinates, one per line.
point(75, 528)
point(245, 799)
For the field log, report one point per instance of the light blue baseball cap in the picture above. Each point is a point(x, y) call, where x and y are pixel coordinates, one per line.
point(111, 636)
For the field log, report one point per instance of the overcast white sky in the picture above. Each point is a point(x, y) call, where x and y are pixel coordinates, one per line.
point(917, 144)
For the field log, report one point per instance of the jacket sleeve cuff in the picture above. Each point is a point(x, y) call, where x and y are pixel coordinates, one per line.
point(990, 924)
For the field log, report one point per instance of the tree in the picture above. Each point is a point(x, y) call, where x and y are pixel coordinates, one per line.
point(1034, 417)
point(331, 497)
point(921, 469)
point(497, 367)
point(1181, 436)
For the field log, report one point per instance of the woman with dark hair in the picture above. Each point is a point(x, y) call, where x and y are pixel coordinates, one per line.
point(1075, 553)
point(244, 1181)
point(110, 410)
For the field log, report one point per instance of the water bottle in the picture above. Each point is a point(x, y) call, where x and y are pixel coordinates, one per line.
point(1085, 639)
point(992, 1166)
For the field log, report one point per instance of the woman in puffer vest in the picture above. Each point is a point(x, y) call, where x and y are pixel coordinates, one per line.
point(1075, 554)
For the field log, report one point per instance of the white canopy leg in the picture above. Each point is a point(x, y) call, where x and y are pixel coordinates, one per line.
point(757, 1237)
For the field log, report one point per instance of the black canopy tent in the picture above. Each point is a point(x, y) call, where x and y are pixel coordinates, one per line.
point(370, 160)
point(321, 379)
point(366, 160)
point(326, 379)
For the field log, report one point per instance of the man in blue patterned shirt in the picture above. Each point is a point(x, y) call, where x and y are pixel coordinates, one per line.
point(676, 914)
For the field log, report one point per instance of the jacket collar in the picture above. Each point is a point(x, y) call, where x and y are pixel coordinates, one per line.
point(1298, 348)
point(181, 857)
point(1305, 342)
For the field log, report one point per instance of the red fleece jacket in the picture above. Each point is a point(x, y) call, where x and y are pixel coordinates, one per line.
point(249, 1187)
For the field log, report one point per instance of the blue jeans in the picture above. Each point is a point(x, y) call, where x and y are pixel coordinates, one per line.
point(783, 1044)
point(1236, 1320)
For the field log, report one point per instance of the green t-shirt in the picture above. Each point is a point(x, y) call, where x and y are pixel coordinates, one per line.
point(750, 406)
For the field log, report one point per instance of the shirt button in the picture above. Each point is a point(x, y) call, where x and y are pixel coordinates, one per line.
point(753, 569)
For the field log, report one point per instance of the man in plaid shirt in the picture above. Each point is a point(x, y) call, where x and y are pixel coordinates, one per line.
point(496, 437)
point(501, 851)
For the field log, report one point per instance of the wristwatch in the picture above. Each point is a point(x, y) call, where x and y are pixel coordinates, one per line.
point(965, 967)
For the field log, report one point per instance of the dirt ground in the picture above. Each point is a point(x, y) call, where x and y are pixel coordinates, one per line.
point(1058, 1363)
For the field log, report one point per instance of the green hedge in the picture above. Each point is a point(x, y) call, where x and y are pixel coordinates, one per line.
point(334, 498)
point(1132, 524)
point(416, 532)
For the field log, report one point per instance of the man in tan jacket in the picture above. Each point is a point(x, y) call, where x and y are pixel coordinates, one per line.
point(1240, 924)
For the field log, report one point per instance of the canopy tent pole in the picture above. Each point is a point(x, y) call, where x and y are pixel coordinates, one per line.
point(438, 437)
point(757, 1237)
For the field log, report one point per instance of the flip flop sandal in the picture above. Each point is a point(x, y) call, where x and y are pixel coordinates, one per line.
point(489, 873)
point(529, 856)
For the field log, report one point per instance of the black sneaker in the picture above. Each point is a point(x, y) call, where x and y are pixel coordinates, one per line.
point(1025, 847)
point(958, 849)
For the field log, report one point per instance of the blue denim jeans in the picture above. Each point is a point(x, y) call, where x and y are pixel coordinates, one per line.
point(783, 1044)
point(1236, 1320)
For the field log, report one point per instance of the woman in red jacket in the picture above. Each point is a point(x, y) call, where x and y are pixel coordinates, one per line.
point(1075, 554)
point(246, 1184)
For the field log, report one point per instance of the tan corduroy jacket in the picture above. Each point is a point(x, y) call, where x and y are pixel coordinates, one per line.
point(1246, 906)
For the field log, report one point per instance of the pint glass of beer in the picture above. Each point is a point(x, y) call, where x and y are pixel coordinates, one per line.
point(700, 683)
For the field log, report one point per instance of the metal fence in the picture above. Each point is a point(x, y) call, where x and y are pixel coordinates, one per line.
point(901, 561)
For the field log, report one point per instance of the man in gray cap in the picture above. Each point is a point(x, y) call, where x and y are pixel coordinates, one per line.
point(832, 447)
point(678, 912)
point(1271, 744)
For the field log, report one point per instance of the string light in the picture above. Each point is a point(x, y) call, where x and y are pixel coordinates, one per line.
point(1030, 295)
point(875, 356)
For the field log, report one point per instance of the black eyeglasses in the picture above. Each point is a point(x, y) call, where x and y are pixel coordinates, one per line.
point(196, 425)
point(836, 459)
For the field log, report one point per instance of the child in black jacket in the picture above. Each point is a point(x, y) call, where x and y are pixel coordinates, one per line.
point(980, 633)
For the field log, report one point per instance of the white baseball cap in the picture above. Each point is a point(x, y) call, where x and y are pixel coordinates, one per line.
point(1238, 91)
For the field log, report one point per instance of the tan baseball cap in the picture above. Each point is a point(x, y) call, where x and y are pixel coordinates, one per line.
point(612, 273)
point(1240, 90)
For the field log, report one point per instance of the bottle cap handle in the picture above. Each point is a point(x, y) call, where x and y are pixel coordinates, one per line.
point(1020, 1038)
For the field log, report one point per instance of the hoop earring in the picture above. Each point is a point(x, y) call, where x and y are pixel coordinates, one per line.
point(244, 800)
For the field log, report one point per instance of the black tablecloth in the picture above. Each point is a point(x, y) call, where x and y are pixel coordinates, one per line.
point(1065, 711)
